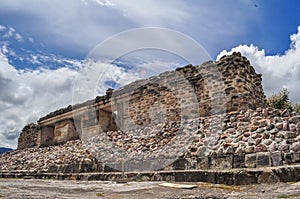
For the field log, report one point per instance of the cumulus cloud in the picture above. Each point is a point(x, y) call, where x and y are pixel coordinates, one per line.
point(278, 71)
point(27, 95)
point(88, 23)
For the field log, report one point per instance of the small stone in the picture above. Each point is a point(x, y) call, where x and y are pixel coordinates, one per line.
point(229, 150)
point(290, 134)
point(245, 139)
point(196, 139)
point(274, 131)
point(260, 130)
point(267, 142)
point(279, 125)
point(253, 128)
point(259, 109)
point(260, 148)
point(283, 146)
point(249, 149)
point(247, 134)
point(263, 123)
point(285, 126)
point(240, 150)
point(293, 127)
point(273, 147)
point(281, 134)
point(270, 127)
point(255, 114)
point(265, 135)
point(230, 130)
point(295, 146)
point(265, 112)
point(232, 119)
point(257, 141)
point(277, 119)
point(285, 113)
point(251, 142)
point(298, 137)
point(295, 119)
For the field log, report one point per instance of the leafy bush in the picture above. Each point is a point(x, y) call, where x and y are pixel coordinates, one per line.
point(280, 100)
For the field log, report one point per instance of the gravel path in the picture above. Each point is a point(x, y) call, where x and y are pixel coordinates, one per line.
point(27, 188)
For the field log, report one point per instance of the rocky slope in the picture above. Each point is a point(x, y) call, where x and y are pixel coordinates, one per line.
point(252, 138)
point(70, 155)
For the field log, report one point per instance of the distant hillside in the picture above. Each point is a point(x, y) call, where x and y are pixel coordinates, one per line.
point(4, 149)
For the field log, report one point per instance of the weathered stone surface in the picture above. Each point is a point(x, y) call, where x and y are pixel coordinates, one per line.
point(263, 159)
point(296, 157)
point(250, 160)
point(295, 146)
point(223, 162)
point(276, 158)
point(29, 136)
point(267, 176)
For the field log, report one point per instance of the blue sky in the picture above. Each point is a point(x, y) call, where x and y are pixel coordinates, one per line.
point(43, 43)
point(73, 28)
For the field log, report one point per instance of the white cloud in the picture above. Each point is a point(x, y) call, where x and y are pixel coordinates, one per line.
point(100, 2)
point(277, 71)
point(10, 33)
point(2, 28)
point(18, 37)
point(87, 24)
point(27, 95)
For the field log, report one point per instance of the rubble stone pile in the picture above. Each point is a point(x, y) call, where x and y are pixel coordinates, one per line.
point(69, 157)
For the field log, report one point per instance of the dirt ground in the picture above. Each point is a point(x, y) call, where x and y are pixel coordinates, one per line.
point(28, 188)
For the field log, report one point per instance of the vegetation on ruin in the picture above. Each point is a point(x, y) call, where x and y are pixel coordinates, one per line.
point(281, 100)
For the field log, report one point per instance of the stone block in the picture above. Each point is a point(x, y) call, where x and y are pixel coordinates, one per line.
point(263, 159)
point(221, 162)
point(245, 178)
point(203, 163)
point(238, 161)
point(225, 178)
point(180, 164)
point(276, 158)
point(250, 160)
point(267, 177)
point(287, 158)
point(296, 157)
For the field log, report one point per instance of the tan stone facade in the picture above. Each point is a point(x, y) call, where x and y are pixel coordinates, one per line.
point(230, 84)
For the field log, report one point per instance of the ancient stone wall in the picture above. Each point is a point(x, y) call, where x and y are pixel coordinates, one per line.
point(230, 84)
point(29, 136)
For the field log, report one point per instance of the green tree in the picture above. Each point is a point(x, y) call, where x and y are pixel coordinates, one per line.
point(280, 100)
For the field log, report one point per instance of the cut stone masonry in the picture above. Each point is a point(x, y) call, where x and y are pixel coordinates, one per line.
point(249, 135)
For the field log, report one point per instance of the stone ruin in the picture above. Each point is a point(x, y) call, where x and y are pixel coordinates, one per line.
point(193, 99)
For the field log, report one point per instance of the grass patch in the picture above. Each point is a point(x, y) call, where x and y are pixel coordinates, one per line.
point(100, 194)
point(290, 196)
point(221, 186)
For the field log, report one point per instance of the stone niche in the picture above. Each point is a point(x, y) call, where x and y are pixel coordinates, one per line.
point(64, 131)
point(58, 132)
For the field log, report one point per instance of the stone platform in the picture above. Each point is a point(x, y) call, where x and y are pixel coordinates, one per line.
point(288, 173)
